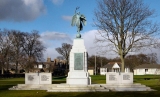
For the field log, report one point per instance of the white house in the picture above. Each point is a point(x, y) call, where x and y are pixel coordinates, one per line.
point(112, 67)
point(147, 69)
point(91, 70)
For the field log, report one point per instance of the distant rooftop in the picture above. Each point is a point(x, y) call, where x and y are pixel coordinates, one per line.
point(148, 66)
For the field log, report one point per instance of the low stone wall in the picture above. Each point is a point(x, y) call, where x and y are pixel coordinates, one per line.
point(38, 78)
point(119, 78)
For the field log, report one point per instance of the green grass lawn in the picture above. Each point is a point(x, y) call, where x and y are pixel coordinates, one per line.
point(98, 79)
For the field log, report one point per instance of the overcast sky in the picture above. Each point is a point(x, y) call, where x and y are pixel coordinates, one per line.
point(52, 18)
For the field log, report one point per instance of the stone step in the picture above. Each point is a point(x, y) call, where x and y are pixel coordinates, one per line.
point(77, 86)
point(65, 85)
point(123, 84)
point(29, 87)
point(70, 90)
point(82, 88)
point(78, 90)
point(126, 86)
point(130, 89)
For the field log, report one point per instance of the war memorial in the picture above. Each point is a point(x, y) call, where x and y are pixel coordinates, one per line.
point(78, 79)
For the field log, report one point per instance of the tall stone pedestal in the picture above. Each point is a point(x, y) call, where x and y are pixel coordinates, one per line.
point(78, 73)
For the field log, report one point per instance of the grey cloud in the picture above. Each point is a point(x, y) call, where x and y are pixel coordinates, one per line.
point(67, 18)
point(51, 40)
point(57, 2)
point(55, 36)
point(21, 10)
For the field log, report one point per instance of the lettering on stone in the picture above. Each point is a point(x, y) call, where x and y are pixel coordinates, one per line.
point(44, 78)
point(112, 78)
point(30, 77)
point(126, 77)
point(78, 61)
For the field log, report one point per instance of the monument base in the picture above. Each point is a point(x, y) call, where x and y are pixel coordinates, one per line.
point(78, 78)
point(78, 81)
point(81, 88)
point(38, 78)
point(119, 78)
point(123, 82)
point(78, 73)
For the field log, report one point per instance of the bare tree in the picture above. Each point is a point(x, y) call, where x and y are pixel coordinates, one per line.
point(152, 58)
point(100, 61)
point(64, 50)
point(60, 57)
point(33, 48)
point(5, 48)
point(125, 25)
point(134, 60)
point(17, 50)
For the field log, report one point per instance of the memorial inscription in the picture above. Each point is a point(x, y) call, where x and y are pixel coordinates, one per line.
point(30, 77)
point(112, 77)
point(126, 77)
point(78, 61)
point(44, 78)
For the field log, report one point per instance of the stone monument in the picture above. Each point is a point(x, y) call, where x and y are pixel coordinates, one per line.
point(38, 78)
point(119, 78)
point(78, 79)
point(78, 73)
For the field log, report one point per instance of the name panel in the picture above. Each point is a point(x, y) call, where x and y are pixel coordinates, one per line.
point(78, 61)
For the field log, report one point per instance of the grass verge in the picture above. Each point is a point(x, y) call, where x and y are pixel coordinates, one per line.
point(98, 79)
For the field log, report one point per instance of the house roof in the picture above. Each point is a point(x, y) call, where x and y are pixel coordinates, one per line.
point(111, 64)
point(148, 66)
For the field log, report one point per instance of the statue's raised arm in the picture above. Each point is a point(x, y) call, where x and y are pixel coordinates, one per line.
point(78, 20)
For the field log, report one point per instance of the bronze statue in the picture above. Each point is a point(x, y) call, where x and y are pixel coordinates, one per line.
point(79, 20)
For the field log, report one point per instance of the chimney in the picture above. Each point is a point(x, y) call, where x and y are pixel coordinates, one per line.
point(48, 59)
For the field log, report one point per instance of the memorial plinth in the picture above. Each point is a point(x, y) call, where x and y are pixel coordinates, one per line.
point(78, 73)
point(38, 78)
point(119, 78)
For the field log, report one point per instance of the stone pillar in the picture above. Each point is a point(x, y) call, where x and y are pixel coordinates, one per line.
point(78, 73)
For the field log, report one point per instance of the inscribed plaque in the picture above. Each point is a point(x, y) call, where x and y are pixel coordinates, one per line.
point(126, 77)
point(112, 77)
point(78, 61)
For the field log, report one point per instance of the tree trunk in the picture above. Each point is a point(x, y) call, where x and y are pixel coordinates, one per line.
point(7, 65)
point(2, 69)
point(122, 63)
point(16, 67)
